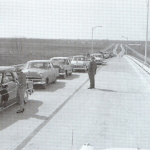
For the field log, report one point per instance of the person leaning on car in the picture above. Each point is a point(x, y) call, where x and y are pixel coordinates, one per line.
point(21, 90)
point(91, 72)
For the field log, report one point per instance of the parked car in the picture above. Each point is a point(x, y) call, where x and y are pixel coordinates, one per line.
point(98, 58)
point(41, 72)
point(9, 78)
point(63, 64)
point(106, 55)
point(112, 55)
point(80, 62)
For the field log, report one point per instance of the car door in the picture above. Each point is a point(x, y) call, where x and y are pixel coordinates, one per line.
point(12, 86)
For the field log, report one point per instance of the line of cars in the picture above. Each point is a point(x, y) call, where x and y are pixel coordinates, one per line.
point(44, 72)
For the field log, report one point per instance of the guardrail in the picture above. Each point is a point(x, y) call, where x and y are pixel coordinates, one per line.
point(145, 67)
point(137, 53)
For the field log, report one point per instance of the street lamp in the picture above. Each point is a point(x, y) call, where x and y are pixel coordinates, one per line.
point(146, 32)
point(127, 41)
point(92, 34)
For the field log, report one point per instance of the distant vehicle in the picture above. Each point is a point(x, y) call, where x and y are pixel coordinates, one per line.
point(112, 55)
point(106, 55)
point(9, 78)
point(98, 58)
point(41, 72)
point(80, 62)
point(63, 64)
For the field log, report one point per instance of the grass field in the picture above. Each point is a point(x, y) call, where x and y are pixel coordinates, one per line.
point(17, 51)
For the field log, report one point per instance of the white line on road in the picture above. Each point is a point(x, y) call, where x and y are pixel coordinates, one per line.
point(25, 141)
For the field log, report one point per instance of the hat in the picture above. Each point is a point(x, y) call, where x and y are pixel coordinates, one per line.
point(92, 57)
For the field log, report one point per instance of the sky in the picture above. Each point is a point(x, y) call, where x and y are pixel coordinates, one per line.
point(73, 19)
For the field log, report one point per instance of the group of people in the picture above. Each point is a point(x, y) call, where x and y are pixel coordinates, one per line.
point(20, 92)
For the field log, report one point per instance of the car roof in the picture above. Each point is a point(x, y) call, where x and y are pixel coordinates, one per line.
point(7, 69)
point(79, 56)
point(96, 54)
point(60, 58)
point(39, 61)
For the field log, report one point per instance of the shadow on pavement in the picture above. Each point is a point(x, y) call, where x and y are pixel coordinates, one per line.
point(73, 76)
point(9, 116)
point(51, 87)
point(105, 90)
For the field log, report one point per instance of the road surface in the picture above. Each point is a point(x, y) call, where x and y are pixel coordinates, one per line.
point(67, 114)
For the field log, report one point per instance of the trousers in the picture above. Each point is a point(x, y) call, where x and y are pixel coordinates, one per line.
point(92, 80)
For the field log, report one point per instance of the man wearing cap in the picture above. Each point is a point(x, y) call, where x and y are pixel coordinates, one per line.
point(91, 72)
point(21, 90)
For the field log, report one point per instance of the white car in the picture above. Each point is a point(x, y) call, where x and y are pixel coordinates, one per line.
point(98, 58)
point(41, 72)
point(80, 62)
point(63, 64)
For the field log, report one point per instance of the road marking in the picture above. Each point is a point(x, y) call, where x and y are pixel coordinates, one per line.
point(20, 146)
point(35, 131)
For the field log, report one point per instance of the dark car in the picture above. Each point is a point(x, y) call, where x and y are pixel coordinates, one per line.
point(8, 78)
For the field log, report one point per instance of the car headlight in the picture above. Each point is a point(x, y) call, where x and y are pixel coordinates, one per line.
point(84, 64)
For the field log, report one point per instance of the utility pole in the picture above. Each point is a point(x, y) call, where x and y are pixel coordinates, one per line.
point(92, 35)
point(146, 32)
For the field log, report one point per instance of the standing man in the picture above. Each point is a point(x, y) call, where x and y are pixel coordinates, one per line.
point(21, 90)
point(92, 72)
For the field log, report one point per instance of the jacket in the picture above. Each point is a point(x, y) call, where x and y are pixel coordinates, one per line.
point(92, 68)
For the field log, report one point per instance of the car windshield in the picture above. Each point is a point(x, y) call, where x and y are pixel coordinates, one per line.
point(41, 65)
point(100, 56)
point(79, 58)
point(59, 61)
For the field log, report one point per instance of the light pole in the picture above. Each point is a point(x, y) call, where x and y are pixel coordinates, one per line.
point(146, 31)
point(127, 41)
point(92, 34)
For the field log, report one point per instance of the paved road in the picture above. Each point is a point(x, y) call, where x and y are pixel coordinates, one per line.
point(115, 114)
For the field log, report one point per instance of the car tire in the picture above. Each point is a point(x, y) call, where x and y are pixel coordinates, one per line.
point(26, 96)
point(85, 70)
point(55, 80)
point(45, 85)
point(70, 73)
point(64, 76)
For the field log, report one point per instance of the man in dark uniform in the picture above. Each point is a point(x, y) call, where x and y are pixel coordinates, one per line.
point(21, 90)
point(92, 72)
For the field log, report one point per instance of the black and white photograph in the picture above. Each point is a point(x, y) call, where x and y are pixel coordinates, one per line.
point(74, 75)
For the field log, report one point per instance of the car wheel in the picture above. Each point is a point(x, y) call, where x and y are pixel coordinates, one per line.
point(55, 80)
point(64, 76)
point(46, 83)
point(26, 96)
point(86, 70)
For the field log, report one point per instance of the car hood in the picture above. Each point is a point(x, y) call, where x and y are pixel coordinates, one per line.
point(57, 66)
point(34, 71)
point(77, 62)
point(97, 58)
